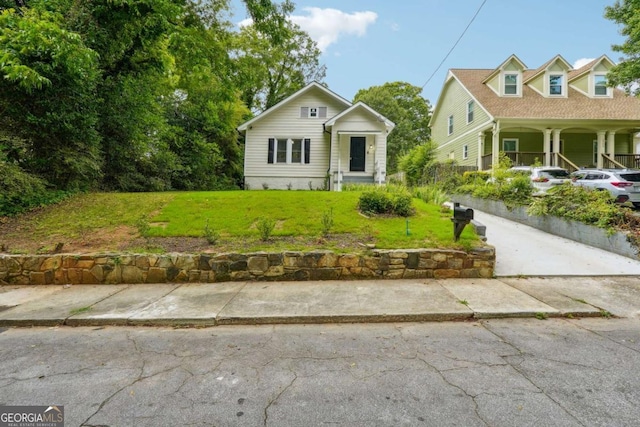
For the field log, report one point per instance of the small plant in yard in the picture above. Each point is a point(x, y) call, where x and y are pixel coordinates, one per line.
point(266, 227)
point(606, 314)
point(289, 186)
point(463, 302)
point(265, 186)
point(143, 226)
point(210, 234)
point(541, 316)
point(327, 222)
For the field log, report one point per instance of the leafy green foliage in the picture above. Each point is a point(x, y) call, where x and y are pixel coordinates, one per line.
point(21, 191)
point(413, 163)
point(267, 73)
point(265, 227)
point(580, 204)
point(431, 194)
point(390, 200)
point(210, 234)
point(327, 222)
point(627, 72)
point(403, 104)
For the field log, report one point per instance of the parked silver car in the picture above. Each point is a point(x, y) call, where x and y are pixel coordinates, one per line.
point(544, 177)
point(623, 184)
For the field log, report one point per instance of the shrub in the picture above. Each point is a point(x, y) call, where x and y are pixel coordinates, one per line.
point(327, 222)
point(22, 191)
point(266, 227)
point(392, 200)
point(431, 194)
point(210, 234)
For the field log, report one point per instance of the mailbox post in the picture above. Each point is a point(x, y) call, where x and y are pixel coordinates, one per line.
point(461, 217)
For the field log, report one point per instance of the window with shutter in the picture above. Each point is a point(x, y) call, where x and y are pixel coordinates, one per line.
point(322, 112)
point(304, 112)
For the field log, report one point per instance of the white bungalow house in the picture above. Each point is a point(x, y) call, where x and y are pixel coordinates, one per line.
point(315, 139)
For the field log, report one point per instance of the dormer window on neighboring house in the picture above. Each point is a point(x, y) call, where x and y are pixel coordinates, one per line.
point(556, 84)
point(600, 85)
point(511, 84)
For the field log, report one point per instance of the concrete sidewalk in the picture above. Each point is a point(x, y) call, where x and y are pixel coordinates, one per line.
point(247, 303)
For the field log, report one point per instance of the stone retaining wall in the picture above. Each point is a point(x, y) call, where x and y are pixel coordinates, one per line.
point(285, 266)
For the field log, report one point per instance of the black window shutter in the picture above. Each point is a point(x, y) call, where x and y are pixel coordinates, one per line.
point(271, 148)
point(307, 150)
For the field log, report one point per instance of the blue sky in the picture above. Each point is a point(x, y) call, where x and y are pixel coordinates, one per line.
point(369, 43)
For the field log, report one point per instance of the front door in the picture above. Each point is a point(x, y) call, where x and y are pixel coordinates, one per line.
point(357, 153)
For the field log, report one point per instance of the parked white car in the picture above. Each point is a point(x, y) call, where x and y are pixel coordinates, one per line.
point(622, 184)
point(544, 177)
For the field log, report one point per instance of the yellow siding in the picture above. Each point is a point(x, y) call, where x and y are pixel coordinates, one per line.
point(512, 66)
point(454, 101)
point(494, 83)
point(582, 83)
point(538, 83)
point(557, 66)
point(601, 68)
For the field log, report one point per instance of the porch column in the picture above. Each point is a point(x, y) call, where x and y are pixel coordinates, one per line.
point(611, 143)
point(495, 145)
point(600, 150)
point(480, 150)
point(547, 147)
point(555, 147)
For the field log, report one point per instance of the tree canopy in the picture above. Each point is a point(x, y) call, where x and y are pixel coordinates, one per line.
point(139, 95)
point(403, 104)
point(627, 72)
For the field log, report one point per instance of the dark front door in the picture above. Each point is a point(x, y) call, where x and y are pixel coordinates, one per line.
point(357, 153)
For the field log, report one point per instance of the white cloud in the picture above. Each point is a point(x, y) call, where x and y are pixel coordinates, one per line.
point(582, 62)
point(326, 26)
point(395, 27)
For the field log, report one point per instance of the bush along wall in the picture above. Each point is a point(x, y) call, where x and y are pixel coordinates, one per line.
point(261, 266)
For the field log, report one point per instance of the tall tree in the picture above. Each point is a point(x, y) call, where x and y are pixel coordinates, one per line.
point(267, 73)
point(627, 72)
point(403, 104)
point(48, 82)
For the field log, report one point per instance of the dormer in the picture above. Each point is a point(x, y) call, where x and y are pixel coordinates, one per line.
point(506, 80)
point(591, 79)
point(551, 79)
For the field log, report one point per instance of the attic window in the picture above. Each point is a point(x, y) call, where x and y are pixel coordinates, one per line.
point(555, 84)
point(313, 112)
point(600, 85)
point(510, 84)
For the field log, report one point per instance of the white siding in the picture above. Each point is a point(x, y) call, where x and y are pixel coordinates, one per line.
point(287, 123)
point(360, 123)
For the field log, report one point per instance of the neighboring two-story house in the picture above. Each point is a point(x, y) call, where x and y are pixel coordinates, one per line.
point(554, 115)
point(315, 139)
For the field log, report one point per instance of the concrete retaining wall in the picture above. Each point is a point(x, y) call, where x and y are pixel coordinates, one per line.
point(617, 243)
point(284, 266)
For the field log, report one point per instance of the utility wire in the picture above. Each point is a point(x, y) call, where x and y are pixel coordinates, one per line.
point(455, 44)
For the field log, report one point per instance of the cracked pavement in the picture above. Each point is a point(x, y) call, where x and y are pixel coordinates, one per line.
point(503, 372)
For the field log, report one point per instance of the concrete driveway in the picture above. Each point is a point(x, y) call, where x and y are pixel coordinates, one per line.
point(523, 250)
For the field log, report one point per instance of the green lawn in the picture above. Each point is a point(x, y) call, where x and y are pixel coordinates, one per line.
point(234, 215)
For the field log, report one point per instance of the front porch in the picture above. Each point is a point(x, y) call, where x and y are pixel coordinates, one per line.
point(359, 158)
point(569, 147)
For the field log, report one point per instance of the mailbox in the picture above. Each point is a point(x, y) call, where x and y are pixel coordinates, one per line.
point(461, 217)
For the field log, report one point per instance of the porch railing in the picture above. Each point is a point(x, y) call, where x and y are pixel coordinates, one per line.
point(609, 163)
point(523, 158)
point(487, 161)
point(565, 163)
point(629, 161)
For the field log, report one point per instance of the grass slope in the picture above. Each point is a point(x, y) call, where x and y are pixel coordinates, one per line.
point(234, 214)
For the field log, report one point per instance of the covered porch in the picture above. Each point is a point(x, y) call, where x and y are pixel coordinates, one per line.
point(568, 145)
point(358, 158)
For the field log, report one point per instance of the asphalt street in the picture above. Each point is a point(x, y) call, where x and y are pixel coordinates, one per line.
point(523, 250)
point(510, 372)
